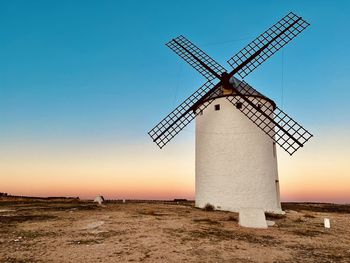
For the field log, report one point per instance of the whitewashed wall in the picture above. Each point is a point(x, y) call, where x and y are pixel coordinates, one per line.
point(236, 164)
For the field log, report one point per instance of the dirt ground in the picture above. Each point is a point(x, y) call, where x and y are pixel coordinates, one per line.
point(80, 231)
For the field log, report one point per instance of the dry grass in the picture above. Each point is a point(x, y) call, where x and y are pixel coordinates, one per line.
point(209, 207)
point(233, 218)
point(207, 221)
point(317, 207)
point(309, 215)
point(13, 219)
point(273, 216)
point(161, 232)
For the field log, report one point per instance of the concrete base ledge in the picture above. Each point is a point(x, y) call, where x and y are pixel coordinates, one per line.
point(252, 217)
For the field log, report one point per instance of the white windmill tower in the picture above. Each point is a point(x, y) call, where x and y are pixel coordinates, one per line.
point(236, 162)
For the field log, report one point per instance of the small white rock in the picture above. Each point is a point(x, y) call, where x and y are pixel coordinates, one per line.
point(327, 223)
point(270, 223)
point(99, 199)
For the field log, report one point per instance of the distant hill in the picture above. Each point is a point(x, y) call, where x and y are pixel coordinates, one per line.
point(35, 197)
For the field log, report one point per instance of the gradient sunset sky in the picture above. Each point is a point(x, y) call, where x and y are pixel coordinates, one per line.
point(82, 82)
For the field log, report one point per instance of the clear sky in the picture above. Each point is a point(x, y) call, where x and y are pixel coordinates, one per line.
point(81, 83)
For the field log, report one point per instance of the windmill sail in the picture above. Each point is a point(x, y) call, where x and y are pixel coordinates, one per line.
point(196, 57)
point(179, 118)
point(267, 44)
point(273, 121)
point(285, 131)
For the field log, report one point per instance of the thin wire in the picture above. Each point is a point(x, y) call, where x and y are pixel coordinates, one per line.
point(177, 85)
point(282, 81)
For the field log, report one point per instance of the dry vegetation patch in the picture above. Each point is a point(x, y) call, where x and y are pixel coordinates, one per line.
point(206, 220)
point(13, 219)
point(163, 232)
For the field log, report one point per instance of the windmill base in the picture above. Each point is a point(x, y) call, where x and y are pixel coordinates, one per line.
point(252, 217)
point(202, 205)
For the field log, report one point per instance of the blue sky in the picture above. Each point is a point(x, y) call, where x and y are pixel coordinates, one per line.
point(83, 68)
point(98, 72)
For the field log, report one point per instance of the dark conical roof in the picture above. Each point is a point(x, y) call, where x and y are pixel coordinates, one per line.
point(245, 88)
point(242, 87)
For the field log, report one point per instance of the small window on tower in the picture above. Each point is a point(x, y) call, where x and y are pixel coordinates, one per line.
point(259, 106)
point(239, 105)
point(217, 107)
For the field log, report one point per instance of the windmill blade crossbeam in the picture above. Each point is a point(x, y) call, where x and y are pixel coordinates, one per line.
point(179, 118)
point(196, 57)
point(280, 127)
point(267, 44)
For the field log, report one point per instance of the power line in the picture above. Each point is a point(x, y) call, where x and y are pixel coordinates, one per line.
point(177, 85)
point(282, 81)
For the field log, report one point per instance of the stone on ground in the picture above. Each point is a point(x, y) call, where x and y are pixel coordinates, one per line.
point(99, 199)
point(252, 217)
point(270, 223)
point(327, 223)
point(93, 225)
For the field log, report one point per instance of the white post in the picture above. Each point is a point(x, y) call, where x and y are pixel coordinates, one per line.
point(327, 223)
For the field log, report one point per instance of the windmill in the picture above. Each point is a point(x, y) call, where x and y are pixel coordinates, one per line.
point(237, 127)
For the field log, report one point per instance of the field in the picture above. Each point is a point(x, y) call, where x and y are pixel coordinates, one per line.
point(80, 231)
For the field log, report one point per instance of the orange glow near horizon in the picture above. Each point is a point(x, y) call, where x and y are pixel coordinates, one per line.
point(320, 172)
point(129, 172)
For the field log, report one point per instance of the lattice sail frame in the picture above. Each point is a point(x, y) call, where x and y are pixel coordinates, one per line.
point(289, 27)
point(181, 45)
point(278, 125)
point(179, 118)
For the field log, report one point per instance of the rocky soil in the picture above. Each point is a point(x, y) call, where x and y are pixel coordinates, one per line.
point(80, 231)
